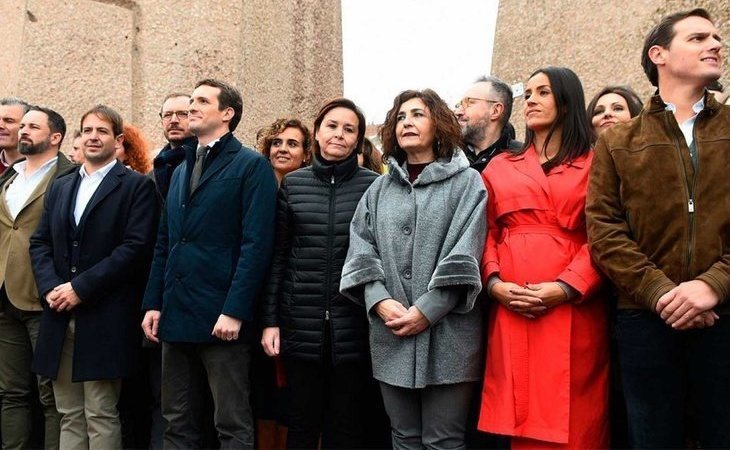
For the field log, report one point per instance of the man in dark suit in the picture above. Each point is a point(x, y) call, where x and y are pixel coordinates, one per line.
point(212, 254)
point(90, 256)
point(21, 203)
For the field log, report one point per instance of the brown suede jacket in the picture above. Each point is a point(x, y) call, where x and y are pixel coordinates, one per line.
point(653, 219)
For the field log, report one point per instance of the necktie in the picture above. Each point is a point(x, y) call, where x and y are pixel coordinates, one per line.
point(198, 167)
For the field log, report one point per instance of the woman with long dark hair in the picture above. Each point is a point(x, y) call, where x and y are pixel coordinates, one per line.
point(415, 244)
point(612, 105)
point(320, 335)
point(546, 378)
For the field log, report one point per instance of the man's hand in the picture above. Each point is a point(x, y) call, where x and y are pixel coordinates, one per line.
point(63, 298)
point(390, 309)
point(409, 324)
point(686, 301)
point(227, 328)
point(270, 341)
point(702, 320)
point(150, 324)
point(518, 299)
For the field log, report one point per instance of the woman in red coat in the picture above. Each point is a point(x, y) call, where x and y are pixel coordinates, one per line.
point(546, 379)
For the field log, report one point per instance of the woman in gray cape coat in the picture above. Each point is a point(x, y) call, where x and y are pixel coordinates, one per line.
point(415, 245)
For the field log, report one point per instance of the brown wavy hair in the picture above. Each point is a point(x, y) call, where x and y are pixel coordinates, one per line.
point(266, 135)
point(137, 150)
point(371, 157)
point(447, 138)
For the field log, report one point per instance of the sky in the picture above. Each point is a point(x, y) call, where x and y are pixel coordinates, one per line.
point(392, 45)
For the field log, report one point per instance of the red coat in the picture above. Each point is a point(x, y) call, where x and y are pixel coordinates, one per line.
point(547, 378)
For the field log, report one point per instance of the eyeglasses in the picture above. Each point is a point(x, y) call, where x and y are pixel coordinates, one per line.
point(167, 115)
point(468, 101)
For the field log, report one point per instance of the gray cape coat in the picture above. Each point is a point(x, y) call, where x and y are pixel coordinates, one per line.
point(421, 244)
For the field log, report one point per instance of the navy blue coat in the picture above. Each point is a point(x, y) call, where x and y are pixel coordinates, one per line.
point(213, 247)
point(106, 258)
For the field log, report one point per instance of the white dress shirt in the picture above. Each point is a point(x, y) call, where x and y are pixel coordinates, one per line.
point(22, 186)
point(89, 184)
point(688, 125)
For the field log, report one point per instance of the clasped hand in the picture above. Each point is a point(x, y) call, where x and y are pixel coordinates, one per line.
point(689, 305)
point(63, 298)
point(530, 300)
point(402, 321)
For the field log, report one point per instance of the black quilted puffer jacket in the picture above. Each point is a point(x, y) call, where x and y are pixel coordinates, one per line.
point(314, 210)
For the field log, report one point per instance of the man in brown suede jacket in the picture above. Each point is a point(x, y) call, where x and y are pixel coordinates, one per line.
point(658, 217)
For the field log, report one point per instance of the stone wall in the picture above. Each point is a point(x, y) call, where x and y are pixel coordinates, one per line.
point(284, 55)
point(600, 41)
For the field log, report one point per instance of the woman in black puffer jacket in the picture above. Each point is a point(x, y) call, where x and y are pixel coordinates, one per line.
point(322, 337)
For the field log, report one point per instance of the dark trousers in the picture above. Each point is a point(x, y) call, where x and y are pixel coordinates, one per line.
point(18, 335)
point(329, 400)
point(226, 369)
point(666, 372)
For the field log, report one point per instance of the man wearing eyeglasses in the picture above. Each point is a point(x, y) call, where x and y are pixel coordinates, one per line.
point(484, 114)
point(174, 115)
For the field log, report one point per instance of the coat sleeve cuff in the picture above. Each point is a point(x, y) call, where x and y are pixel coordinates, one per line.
point(437, 303)
point(375, 292)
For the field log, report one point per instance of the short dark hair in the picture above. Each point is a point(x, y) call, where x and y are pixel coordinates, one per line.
point(503, 92)
point(173, 95)
point(447, 138)
point(229, 97)
point(662, 35)
point(55, 120)
point(577, 134)
point(340, 102)
point(266, 136)
point(108, 114)
point(632, 100)
point(14, 101)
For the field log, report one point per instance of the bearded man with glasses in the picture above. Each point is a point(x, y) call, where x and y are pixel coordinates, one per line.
point(484, 114)
point(174, 115)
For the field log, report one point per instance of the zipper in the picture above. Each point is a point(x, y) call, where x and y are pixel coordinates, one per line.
point(330, 232)
point(690, 192)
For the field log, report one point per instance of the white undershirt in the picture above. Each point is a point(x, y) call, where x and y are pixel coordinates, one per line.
point(21, 187)
point(687, 127)
point(89, 184)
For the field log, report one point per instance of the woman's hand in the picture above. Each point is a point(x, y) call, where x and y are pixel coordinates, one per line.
point(550, 293)
point(270, 341)
point(409, 324)
point(518, 299)
point(390, 309)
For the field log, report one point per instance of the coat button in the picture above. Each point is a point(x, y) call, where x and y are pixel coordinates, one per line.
point(15, 227)
point(183, 205)
point(75, 243)
point(183, 241)
point(407, 274)
point(73, 269)
point(406, 230)
point(178, 276)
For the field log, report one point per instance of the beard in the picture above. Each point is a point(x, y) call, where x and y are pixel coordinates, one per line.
point(473, 134)
point(26, 148)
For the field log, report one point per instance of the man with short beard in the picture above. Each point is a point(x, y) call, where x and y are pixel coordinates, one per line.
point(174, 115)
point(484, 114)
point(11, 112)
point(21, 204)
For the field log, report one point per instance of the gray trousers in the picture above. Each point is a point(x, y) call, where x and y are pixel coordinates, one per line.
point(226, 368)
point(18, 336)
point(430, 418)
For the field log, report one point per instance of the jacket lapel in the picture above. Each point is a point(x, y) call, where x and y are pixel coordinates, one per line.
point(108, 184)
point(218, 164)
point(528, 164)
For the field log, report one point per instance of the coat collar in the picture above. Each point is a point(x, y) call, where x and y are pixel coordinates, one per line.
point(110, 183)
point(438, 170)
point(657, 105)
point(342, 170)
